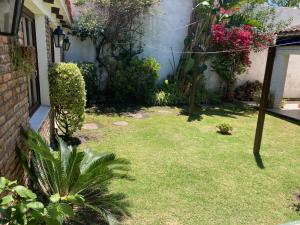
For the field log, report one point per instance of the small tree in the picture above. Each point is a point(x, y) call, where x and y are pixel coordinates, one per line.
point(192, 65)
point(68, 97)
point(115, 27)
point(237, 32)
point(208, 13)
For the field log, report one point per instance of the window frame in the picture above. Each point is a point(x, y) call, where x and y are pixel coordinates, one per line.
point(29, 16)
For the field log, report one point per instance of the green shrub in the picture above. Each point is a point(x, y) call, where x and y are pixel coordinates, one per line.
point(68, 97)
point(161, 98)
point(225, 129)
point(19, 206)
point(248, 91)
point(83, 177)
point(205, 96)
point(168, 95)
point(134, 80)
point(209, 97)
point(91, 79)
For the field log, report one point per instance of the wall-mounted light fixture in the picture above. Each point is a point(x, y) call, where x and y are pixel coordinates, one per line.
point(58, 36)
point(10, 15)
point(66, 44)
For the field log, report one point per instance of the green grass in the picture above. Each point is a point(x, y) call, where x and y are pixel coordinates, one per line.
point(185, 173)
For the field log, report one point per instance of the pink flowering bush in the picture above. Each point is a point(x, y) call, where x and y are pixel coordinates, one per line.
point(236, 44)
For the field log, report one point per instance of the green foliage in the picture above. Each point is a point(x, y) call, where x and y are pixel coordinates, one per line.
point(134, 80)
point(24, 59)
point(115, 26)
point(286, 3)
point(20, 206)
point(225, 129)
point(161, 98)
point(228, 68)
point(248, 91)
point(168, 94)
point(79, 177)
point(263, 17)
point(91, 79)
point(68, 97)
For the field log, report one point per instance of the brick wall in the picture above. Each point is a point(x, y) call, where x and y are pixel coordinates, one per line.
point(46, 128)
point(49, 40)
point(13, 111)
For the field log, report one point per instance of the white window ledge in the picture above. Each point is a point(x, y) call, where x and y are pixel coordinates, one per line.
point(37, 119)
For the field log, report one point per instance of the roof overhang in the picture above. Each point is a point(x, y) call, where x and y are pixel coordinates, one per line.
point(289, 36)
point(58, 11)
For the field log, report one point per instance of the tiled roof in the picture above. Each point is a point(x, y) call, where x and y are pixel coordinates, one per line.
point(294, 30)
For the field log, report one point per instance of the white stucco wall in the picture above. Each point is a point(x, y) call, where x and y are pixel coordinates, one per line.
point(165, 29)
point(80, 51)
point(292, 83)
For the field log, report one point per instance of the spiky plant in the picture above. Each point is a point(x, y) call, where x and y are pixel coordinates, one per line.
point(70, 172)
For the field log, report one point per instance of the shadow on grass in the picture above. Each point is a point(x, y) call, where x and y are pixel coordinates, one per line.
point(114, 110)
point(283, 117)
point(259, 161)
point(223, 110)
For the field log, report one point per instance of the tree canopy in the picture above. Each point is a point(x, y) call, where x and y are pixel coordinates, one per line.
point(285, 3)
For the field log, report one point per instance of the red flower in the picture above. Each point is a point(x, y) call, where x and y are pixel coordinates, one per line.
point(222, 11)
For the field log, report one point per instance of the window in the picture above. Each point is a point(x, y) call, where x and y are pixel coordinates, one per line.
point(29, 39)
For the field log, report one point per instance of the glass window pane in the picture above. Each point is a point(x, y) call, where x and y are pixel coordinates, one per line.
point(6, 15)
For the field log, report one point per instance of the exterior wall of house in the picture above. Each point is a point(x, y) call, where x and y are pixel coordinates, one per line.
point(14, 112)
point(14, 107)
point(292, 84)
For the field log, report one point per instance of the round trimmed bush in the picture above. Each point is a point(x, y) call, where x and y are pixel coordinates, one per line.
point(67, 96)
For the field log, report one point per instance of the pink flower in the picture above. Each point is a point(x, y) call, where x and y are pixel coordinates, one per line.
point(222, 11)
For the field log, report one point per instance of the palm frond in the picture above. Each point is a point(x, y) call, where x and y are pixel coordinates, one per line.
point(87, 173)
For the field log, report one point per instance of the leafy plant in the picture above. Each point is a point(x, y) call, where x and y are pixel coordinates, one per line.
point(225, 129)
point(248, 91)
point(91, 79)
point(286, 3)
point(24, 59)
point(19, 206)
point(161, 98)
point(82, 177)
point(168, 94)
point(115, 27)
point(68, 97)
point(134, 80)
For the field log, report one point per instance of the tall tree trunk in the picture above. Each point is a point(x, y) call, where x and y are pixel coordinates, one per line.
point(193, 95)
point(199, 60)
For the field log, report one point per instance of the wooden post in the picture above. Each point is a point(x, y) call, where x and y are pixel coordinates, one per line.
point(264, 100)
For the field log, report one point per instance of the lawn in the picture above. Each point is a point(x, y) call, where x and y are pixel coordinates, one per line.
point(185, 173)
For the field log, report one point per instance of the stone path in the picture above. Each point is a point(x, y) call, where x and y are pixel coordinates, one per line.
point(90, 126)
point(120, 123)
point(164, 112)
point(139, 115)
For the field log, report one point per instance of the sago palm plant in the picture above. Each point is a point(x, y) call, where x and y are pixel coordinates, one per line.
point(70, 172)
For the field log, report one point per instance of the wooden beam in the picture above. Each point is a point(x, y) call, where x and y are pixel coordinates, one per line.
point(49, 1)
point(61, 17)
point(66, 26)
point(55, 10)
point(264, 100)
